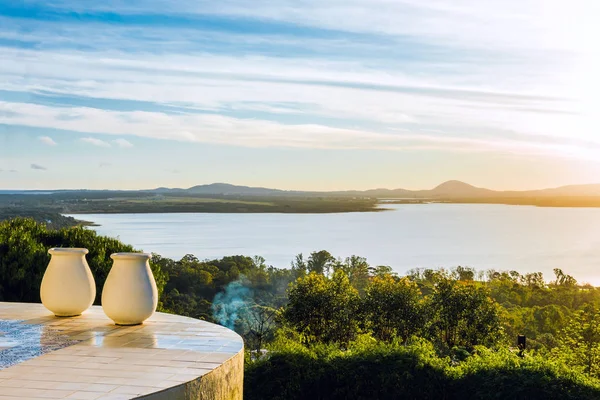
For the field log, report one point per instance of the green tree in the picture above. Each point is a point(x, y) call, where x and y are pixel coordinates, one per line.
point(23, 260)
point(320, 262)
point(463, 274)
point(258, 325)
point(534, 280)
point(381, 270)
point(580, 341)
point(357, 269)
point(323, 309)
point(299, 267)
point(563, 279)
point(463, 315)
point(393, 308)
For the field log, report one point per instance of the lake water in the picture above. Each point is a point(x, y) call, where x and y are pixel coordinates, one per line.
point(519, 238)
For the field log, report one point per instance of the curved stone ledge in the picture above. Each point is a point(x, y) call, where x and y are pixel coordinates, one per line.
point(88, 357)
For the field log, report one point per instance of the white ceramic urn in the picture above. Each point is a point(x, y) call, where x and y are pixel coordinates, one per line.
point(68, 287)
point(129, 296)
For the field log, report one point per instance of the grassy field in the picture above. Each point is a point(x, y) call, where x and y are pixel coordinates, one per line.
point(179, 205)
point(193, 200)
point(564, 201)
point(141, 202)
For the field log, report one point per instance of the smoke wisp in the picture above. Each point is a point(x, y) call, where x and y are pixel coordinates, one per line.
point(227, 305)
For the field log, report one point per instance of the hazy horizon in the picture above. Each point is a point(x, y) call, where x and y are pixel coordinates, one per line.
point(293, 189)
point(305, 95)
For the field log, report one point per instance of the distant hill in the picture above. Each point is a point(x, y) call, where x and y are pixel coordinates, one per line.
point(459, 189)
point(573, 190)
point(447, 190)
point(451, 190)
point(227, 189)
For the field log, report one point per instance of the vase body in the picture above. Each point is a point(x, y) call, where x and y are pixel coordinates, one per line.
point(129, 296)
point(68, 286)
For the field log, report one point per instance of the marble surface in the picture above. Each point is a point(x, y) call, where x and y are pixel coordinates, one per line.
point(88, 357)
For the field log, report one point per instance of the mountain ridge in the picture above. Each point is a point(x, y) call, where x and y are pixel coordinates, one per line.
point(450, 189)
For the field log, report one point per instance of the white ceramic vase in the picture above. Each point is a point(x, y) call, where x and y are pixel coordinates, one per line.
point(68, 287)
point(129, 296)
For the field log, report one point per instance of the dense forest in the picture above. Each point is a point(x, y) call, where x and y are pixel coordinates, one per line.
point(330, 328)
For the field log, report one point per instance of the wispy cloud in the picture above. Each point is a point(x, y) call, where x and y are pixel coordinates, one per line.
point(38, 167)
point(95, 142)
point(462, 20)
point(323, 93)
point(494, 76)
point(123, 143)
point(212, 128)
point(47, 140)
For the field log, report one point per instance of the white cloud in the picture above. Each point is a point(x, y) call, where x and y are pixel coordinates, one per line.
point(47, 140)
point(503, 75)
point(95, 142)
point(123, 143)
point(211, 128)
point(512, 23)
point(319, 90)
point(38, 167)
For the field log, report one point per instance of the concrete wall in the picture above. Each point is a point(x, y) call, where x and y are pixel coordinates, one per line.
point(223, 383)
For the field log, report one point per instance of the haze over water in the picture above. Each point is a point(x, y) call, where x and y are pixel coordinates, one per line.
point(521, 238)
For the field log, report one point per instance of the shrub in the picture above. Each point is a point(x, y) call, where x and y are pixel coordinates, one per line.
point(374, 370)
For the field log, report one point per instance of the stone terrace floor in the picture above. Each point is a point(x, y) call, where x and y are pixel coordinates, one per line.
point(88, 357)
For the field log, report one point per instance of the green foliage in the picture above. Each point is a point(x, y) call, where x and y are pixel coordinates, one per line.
point(579, 342)
point(320, 262)
point(460, 316)
point(358, 271)
point(463, 315)
point(371, 369)
point(393, 308)
point(23, 260)
point(52, 220)
point(381, 270)
point(193, 284)
point(257, 325)
point(323, 309)
point(504, 375)
point(24, 244)
point(368, 369)
point(563, 279)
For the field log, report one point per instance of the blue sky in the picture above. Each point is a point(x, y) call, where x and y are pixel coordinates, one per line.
point(301, 94)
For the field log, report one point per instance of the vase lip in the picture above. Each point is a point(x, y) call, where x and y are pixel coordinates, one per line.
point(68, 250)
point(131, 256)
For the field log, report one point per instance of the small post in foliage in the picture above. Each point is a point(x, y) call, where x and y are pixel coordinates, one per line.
point(521, 344)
